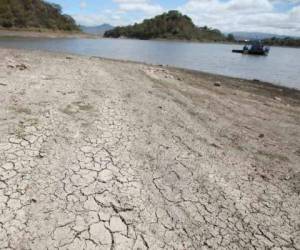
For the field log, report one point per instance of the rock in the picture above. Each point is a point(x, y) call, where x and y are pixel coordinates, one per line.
point(296, 182)
point(21, 66)
point(217, 84)
point(14, 140)
point(105, 175)
point(117, 225)
point(277, 98)
point(123, 242)
point(100, 234)
point(68, 57)
point(264, 177)
point(261, 136)
point(87, 149)
point(91, 205)
point(215, 145)
point(3, 84)
point(104, 216)
point(8, 166)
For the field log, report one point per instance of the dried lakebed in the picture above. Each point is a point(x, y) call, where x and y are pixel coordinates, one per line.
point(102, 154)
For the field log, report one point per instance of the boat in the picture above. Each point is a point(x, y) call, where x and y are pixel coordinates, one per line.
point(254, 48)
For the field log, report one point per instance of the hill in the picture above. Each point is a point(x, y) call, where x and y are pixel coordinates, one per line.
point(34, 14)
point(96, 30)
point(171, 25)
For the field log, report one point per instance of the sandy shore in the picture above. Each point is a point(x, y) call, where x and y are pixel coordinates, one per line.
point(102, 154)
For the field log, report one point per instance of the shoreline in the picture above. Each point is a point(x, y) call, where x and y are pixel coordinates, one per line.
point(241, 43)
point(273, 87)
point(44, 34)
point(35, 33)
point(125, 155)
point(241, 83)
point(279, 84)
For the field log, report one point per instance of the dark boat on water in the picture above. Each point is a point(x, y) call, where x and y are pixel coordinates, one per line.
point(254, 48)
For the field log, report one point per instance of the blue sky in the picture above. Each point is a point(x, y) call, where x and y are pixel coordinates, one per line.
point(275, 16)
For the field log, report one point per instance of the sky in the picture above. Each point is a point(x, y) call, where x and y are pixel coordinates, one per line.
point(270, 16)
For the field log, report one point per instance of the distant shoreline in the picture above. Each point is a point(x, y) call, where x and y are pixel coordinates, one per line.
point(35, 33)
point(42, 33)
point(197, 41)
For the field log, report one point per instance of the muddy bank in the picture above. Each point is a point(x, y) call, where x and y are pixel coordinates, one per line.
point(103, 154)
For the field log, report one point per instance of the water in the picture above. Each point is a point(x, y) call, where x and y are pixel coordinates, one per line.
point(281, 67)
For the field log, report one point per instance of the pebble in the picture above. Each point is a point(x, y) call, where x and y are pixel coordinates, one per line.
point(277, 98)
point(15, 140)
point(217, 84)
point(21, 66)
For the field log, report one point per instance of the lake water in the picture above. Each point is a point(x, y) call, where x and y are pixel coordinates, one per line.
point(281, 67)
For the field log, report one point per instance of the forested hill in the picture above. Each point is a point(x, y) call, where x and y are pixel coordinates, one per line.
point(171, 25)
point(34, 14)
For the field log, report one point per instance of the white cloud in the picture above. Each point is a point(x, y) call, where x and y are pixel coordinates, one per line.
point(286, 1)
point(122, 15)
point(228, 16)
point(144, 6)
point(244, 15)
point(83, 4)
point(97, 19)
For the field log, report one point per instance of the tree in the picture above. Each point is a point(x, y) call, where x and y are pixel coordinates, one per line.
point(171, 25)
point(231, 38)
point(34, 13)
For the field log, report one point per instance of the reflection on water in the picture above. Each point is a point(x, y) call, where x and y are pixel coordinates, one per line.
point(282, 66)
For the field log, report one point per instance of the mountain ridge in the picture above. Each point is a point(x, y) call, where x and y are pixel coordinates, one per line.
point(96, 30)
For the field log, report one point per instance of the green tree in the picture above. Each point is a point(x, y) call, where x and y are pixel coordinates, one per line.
point(231, 38)
point(34, 13)
point(171, 25)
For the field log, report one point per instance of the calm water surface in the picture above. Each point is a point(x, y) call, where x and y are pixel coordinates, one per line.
point(281, 67)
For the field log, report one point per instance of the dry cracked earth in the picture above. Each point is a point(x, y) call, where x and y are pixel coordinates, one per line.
point(100, 154)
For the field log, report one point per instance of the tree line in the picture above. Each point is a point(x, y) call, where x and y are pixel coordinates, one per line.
point(34, 14)
point(287, 41)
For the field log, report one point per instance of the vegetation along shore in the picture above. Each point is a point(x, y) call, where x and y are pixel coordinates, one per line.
point(34, 14)
point(104, 154)
point(172, 26)
point(36, 18)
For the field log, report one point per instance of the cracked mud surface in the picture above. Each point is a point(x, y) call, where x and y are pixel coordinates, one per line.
point(99, 154)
